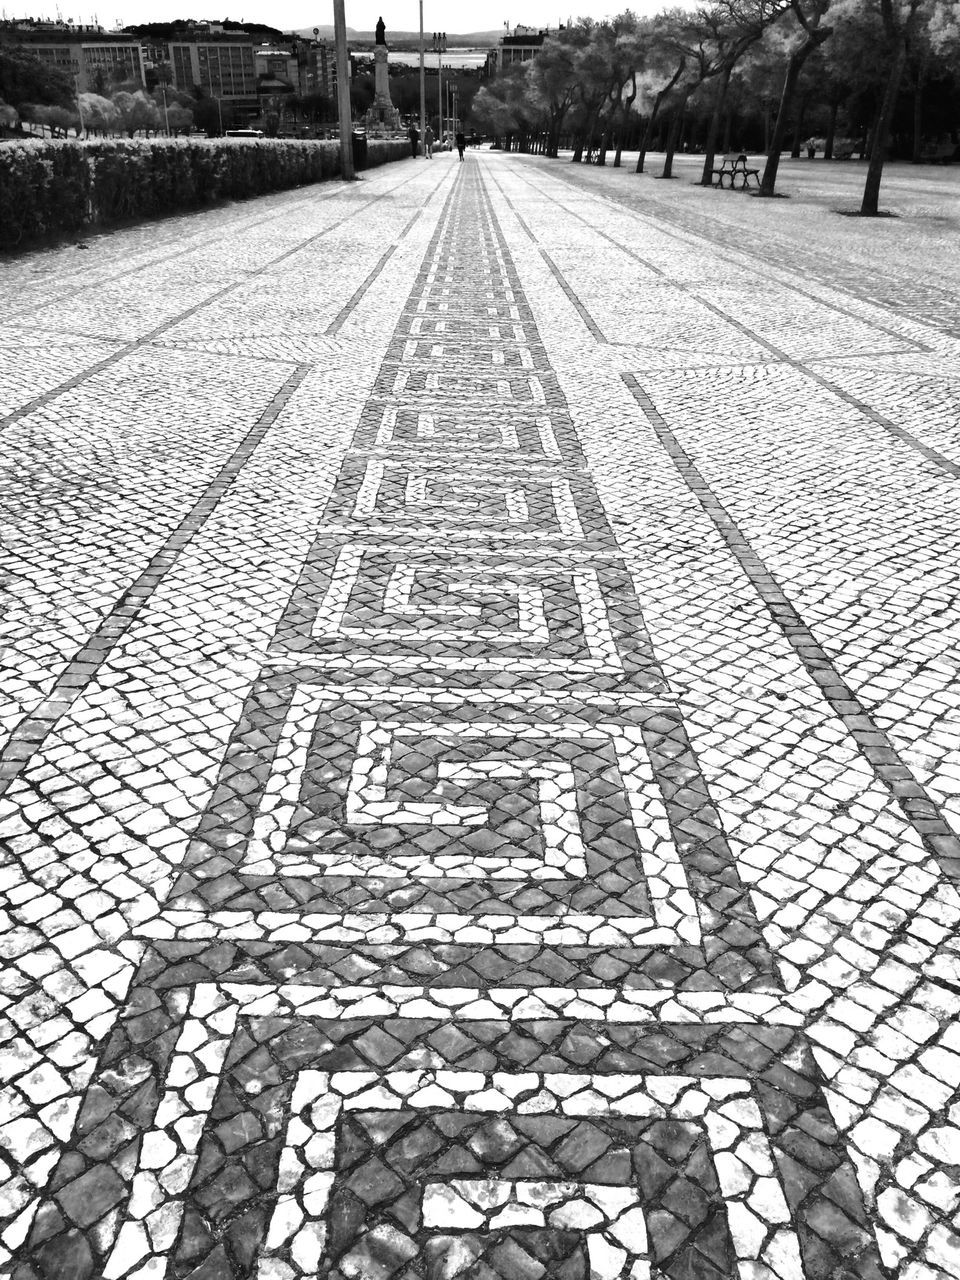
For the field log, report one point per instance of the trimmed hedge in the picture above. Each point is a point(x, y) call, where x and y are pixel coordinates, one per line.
point(49, 188)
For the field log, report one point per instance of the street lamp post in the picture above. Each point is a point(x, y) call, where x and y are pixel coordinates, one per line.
point(166, 118)
point(75, 68)
point(423, 83)
point(440, 48)
point(343, 90)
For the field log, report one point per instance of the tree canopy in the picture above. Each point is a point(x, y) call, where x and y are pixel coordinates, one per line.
point(835, 76)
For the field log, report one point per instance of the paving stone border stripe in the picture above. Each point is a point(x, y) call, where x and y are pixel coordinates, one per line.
point(347, 310)
point(581, 310)
point(838, 270)
point(201, 242)
point(684, 238)
point(595, 330)
point(802, 366)
point(39, 401)
point(30, 734)
point(920, 810)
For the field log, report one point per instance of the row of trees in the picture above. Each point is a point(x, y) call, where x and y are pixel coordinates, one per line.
point(43, 95)
point(731, 70)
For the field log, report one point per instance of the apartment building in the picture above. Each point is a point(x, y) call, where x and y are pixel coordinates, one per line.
point(97, 59)
point(520, 45)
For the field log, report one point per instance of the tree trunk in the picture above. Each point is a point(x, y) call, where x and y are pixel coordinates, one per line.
point(627, 105)
point(646, 135)
point(917, 118)
point(710, 154)
point(727, 132)
point(648, 131)
point(794, 66)
point(798, 129)
point(869, 206)
point(673, 139)
point(831, 131)
point(591, 133)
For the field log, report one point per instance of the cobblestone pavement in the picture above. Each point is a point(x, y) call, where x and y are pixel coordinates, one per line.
point(480, 768)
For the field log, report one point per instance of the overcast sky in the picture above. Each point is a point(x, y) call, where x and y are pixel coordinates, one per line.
point(465, 16)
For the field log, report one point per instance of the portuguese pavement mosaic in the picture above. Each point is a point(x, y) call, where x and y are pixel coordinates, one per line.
point(455, 848)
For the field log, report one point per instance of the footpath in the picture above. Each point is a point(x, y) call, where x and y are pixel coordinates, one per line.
point(479, 768)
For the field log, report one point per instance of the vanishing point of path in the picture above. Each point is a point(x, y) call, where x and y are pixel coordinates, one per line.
point(480, 774)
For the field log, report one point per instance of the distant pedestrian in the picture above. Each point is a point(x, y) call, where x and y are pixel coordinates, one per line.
point(413, 133)
point(811, 145)
point(461, 143)
point(428, 142)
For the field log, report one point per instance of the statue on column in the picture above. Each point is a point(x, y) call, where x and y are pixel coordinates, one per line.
point(383, 117)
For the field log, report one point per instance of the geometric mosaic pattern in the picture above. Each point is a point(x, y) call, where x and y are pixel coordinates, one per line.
point(457, 972)
point(355, 1148)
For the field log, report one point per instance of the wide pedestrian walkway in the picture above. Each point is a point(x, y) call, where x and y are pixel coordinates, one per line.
point(480, 774)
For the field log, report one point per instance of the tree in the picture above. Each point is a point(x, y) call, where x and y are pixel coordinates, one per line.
point(808, 15)
point(179, 119)
point(899, 18)
point(625, 61)
point(492, 114)
point(99, 114)
point(690, 36)
point(135, 112)
point(59, 120)
point(933, 60)
point(318, 107)
point(732, 26)
point(24, 78)
point(553, 80)
point(664, 64)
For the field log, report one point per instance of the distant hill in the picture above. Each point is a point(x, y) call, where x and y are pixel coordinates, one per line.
point(395, 38)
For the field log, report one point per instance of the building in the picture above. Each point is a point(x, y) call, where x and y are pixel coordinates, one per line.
point(222, 69)
point(230, 67)
point(97, 59)
point(316, 67)
point(520, 45)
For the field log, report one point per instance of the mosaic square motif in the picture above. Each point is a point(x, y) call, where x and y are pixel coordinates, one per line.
point(367, 608)
point(469, 389)
point(431, 430)
point(284, 1146)
point(399, 497)
point(483, 839)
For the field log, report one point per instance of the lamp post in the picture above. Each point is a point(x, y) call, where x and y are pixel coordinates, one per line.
point(440, 48)
point(343, 90)
point(423, 83)
point(75, 68)
point(163, 91)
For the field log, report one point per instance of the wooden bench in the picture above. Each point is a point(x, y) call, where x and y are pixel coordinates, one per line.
point(734, 167)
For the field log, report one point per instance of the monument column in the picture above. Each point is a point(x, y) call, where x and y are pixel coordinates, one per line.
point(383, 115)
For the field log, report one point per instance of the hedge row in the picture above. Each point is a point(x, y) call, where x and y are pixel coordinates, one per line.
point(49, 188)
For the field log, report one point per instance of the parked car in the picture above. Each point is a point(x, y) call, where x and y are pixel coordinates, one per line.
point(244, 133)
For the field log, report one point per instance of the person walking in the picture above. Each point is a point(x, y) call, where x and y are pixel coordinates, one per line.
point(461, 142)
point(428, 142)
point(413, 133)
